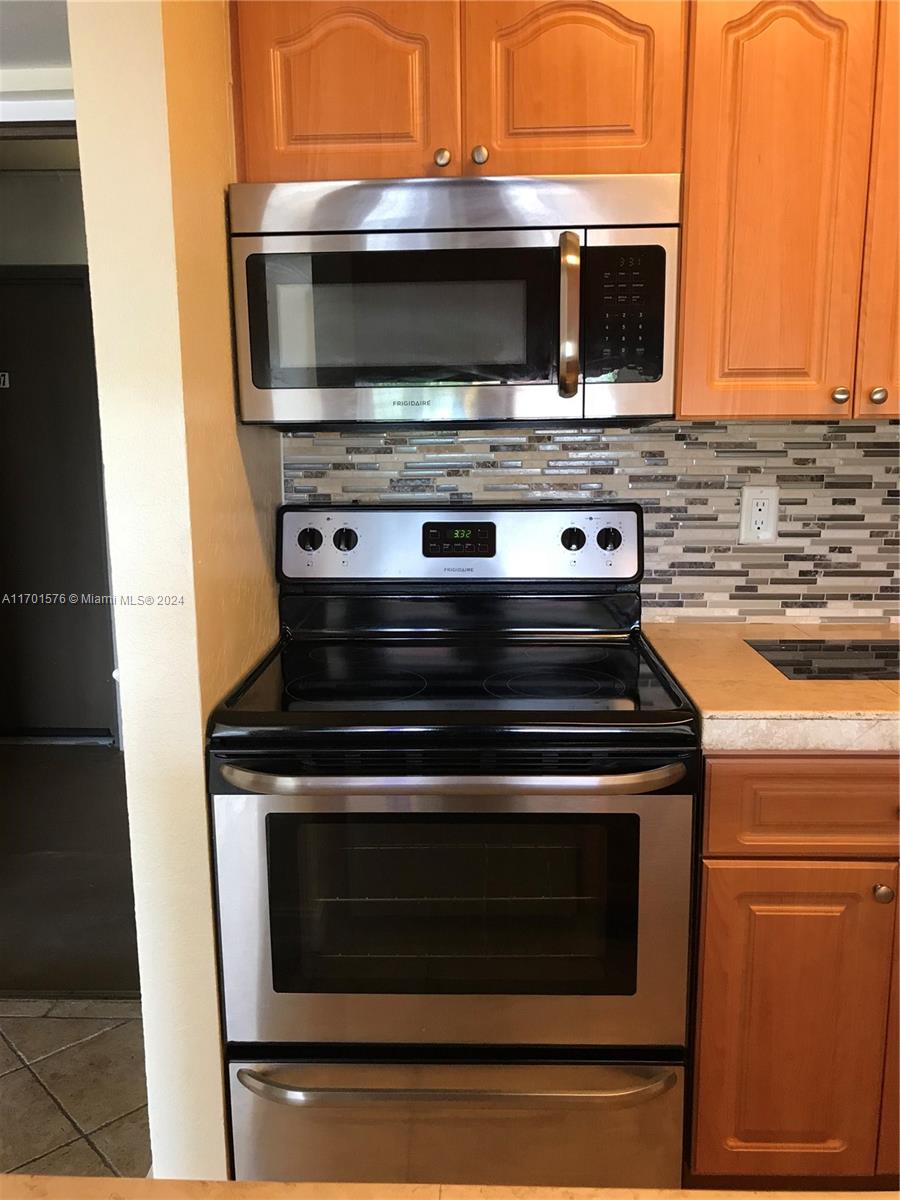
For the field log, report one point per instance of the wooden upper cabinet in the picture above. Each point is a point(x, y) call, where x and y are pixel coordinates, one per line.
point(572, 88)
point(879, 330)
point(780, 101)
point(792, 1012)
point(340, 91)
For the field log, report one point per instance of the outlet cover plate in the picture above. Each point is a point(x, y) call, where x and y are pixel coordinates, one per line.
point(759, 516)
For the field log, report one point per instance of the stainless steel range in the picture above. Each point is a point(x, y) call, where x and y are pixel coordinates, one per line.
point(453, 814)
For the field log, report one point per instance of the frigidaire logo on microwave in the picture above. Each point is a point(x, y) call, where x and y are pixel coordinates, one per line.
point(410, 403)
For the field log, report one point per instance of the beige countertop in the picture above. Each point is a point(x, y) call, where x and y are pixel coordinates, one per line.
point(747, 704)
point(46, 1187)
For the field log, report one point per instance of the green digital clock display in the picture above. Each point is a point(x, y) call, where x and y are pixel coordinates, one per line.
point(444, 539)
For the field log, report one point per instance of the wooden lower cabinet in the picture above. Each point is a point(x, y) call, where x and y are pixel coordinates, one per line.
point(889, 1136)
point(793, 998)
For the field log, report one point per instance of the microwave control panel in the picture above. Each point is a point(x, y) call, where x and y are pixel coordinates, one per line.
point(625, 302)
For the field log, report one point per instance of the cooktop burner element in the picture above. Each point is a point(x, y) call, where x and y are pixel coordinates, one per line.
point(318, 688)
point(552, 684)
point(820, 658)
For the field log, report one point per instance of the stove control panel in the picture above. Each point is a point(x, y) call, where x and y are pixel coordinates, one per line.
point(538, 543)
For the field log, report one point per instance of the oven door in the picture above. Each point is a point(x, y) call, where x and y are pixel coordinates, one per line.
point(475, 910)
point(467, 326)
point(630, 293)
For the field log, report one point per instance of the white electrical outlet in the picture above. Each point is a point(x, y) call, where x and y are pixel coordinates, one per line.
point(759, 515)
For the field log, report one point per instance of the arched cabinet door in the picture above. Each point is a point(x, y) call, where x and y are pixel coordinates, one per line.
point(779, 128)
point(572, 86)
point(878, 365)
point(367, 90)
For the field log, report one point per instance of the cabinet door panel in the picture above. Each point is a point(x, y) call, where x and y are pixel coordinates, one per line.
point(795, 968)
point(777, 151)
point(889, 1136)
point(879, 328)
point(568, 88)
point(339, 91)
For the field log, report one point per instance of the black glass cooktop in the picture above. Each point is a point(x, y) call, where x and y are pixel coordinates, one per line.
point(440, 687)
point(832, 658)
point(434, 666)
point(471, 674)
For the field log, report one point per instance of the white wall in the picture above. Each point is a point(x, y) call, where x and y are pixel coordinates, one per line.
point(190, 500)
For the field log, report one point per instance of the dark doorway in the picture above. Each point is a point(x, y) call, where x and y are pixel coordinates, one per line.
point(56, 627)
point(67, 925)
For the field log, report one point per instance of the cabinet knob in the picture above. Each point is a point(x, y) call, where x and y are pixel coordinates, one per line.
point(882, 893)
point(480, 154)
point(878, 395)
point(442, 156)
point(840, 395)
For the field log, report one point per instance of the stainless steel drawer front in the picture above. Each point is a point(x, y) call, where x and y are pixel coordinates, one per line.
point(564, 1126)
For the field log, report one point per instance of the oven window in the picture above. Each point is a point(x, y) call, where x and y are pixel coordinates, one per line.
point(403, 318)
point(530, 905)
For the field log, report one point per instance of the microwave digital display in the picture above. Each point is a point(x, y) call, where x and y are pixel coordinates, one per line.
point(447, 539)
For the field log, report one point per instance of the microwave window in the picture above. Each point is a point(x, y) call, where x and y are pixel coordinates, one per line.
point(397, 324)
point(403, 318)
point(515, 905)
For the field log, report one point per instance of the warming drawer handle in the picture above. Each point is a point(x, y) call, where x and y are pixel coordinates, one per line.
point(569, 312)
point(282, 1093)
point(631, 783)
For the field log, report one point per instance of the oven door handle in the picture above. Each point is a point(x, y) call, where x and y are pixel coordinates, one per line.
point(630, 783)
point(645, 1089)
point(569, 312)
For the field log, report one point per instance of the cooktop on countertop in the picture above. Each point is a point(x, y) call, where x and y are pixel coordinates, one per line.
point(837, 658)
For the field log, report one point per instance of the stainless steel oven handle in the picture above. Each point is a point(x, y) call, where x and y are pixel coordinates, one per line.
point(569, 312)
point(282, 1093)
point(631, 783)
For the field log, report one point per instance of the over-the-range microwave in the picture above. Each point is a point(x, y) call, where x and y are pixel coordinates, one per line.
point(455, 301)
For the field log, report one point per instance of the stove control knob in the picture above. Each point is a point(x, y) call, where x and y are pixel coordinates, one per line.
point(573, 538)
point(609, 539)
point(345, 539)
point(309, 539)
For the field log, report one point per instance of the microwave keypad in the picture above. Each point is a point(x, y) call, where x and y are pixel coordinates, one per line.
point(625, 313)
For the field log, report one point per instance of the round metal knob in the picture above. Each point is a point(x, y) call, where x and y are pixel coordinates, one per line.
point(878, 395)
point(442, 156)
point(882, 893)
point(609, 539)
point(840, 395)
point(309, 539)
point(345, 539)
point(573, 538)
point(480, 155)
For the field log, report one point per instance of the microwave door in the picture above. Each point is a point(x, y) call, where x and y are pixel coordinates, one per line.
point(449, 327)
point(630, 287)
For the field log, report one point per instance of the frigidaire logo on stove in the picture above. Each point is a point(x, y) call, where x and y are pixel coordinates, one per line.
point(410, 403)
point(461, 570)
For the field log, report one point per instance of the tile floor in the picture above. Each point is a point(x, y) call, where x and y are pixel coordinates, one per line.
point(72, 1089)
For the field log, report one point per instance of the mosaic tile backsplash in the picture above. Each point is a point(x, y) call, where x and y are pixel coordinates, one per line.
point(837, 552)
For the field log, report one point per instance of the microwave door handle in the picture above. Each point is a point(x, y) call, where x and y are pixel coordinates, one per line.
point(569, 312)
point(631, 783)
point(646, 1088)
